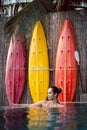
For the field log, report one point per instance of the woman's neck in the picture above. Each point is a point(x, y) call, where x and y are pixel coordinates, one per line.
point(54, 101)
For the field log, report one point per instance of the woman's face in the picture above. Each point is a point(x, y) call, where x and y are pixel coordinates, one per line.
point(51, 95)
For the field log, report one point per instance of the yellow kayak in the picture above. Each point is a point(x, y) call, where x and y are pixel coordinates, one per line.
point(38, 74)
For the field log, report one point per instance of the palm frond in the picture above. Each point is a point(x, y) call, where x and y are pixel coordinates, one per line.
point(25, 19)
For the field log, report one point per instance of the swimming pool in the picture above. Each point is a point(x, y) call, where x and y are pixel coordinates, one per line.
point(73, 116)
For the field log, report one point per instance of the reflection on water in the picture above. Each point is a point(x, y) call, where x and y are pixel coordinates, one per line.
point(37, 117)
point(15, 118)
point(67, 117)
point(2, 120)
point(73, 116)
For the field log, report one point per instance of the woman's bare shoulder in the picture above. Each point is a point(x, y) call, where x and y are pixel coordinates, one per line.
point(60, 105)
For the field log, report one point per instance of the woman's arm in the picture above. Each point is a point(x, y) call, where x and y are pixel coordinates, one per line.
point(39, 104)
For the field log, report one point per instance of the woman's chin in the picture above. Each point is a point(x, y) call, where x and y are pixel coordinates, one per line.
point(49, 99)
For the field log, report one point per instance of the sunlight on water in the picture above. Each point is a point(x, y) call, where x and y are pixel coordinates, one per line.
point(73, 116)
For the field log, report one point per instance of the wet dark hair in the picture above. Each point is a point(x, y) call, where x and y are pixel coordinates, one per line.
point(57, 90)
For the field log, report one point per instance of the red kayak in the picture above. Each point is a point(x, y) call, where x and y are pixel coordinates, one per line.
point(15, 67)
point(66, 66)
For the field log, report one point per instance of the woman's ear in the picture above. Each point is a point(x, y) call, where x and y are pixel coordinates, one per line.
point(55, 94)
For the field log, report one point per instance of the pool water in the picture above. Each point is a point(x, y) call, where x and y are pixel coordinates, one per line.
point(73, 116)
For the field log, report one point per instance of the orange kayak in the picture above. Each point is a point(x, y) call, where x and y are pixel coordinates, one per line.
point(66, 66)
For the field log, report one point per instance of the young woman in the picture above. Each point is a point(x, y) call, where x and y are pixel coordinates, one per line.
point(51, 101)
point(52, 98)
